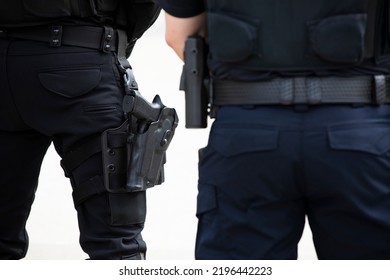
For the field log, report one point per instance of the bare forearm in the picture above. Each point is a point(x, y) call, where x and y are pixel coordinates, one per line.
point(179, 29)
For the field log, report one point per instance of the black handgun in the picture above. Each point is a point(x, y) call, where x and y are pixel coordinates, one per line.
point(136, 105)
point(194, 81)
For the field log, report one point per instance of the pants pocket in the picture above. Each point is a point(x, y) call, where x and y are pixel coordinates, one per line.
point(231, 140)
point(71, 83)
point(206, 200)
point(372, 138)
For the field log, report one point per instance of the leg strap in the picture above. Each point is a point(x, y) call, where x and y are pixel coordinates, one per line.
point(73, 160)
point(93, 186)
point(76, 157)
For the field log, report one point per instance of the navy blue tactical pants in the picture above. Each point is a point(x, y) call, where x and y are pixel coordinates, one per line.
point(64, 95)
point(266, 168)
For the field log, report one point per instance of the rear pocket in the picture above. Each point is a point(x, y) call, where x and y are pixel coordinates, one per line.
point(71, 83)
point(368, 138)
point(232, 141)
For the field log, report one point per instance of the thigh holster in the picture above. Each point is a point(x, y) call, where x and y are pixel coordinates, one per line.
point(133, 154)
point(133, 160)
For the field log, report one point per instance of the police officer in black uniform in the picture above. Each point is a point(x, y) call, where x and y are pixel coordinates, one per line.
point(61, 81)
point(302, 126)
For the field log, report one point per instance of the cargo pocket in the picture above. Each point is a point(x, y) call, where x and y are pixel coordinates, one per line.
point(240, 36)
point(369, 138)
point(234, 141)
point(206, 200)
point(338, 39)
point(70, 83)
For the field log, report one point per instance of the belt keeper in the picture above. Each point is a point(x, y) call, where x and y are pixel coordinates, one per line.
point(379, 94)
point(313, 91)
point(56, 36)
point(286, 91)
point(107, 39)
point(3, 33)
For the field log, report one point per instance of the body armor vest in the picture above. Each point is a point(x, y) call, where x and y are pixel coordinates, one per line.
point(277, 35)
point(134, 16)
point(35, 12)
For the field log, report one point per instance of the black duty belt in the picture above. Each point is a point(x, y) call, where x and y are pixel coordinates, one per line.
point(304, 90)
point(93, 37)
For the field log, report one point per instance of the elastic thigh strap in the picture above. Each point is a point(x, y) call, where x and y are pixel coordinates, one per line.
point(73, 160)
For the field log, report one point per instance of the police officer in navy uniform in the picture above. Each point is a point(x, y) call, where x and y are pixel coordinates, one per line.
point(61, 81)
point(302, 126)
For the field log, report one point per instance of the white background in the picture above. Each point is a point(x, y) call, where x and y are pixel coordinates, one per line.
point(171, 223)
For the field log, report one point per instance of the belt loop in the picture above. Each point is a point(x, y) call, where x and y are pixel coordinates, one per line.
point(286, 91)
point(300, 90)
point(380, 88)
point(56, 36)
point(314, 94)
point(107, 39)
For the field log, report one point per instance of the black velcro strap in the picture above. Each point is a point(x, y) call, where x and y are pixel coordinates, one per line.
point(122, 43)
point(76, 157)
point(93, 186)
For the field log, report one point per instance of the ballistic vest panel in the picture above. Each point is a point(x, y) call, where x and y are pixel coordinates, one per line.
point(279, 35)
point(35, 12)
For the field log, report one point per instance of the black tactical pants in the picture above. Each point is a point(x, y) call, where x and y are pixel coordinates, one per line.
point(67, 96)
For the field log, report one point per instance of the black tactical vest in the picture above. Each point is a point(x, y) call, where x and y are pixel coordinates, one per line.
point(33, 12)
point(134, 16)
point(277, 35)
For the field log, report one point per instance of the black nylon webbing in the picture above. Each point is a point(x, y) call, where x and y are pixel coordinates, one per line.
point(76, 157)
point(93, 37)
point(93, 186)
point(122, 43)
point(286, 91)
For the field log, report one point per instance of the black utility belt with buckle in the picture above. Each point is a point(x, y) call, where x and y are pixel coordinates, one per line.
point(304, 90)
point(93, 37)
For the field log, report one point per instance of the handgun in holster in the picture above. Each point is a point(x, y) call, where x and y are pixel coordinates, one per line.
point(196, 84)
point(134, 153)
